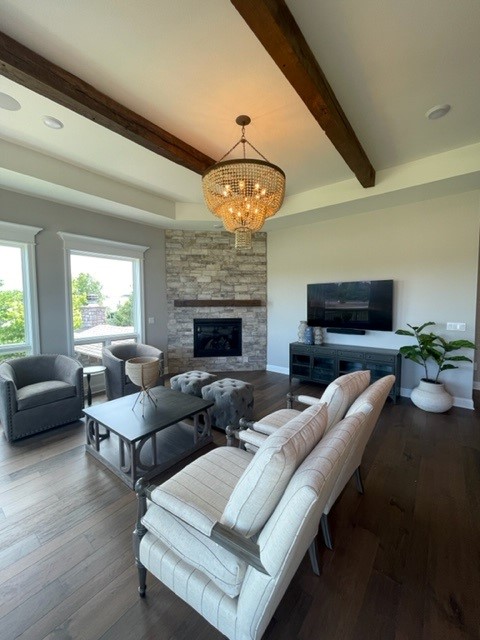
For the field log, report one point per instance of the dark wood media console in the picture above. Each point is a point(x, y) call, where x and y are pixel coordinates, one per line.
point(323, 363)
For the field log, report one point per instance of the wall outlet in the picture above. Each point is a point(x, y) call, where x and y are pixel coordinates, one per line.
point(456, 326)
point(151, 321)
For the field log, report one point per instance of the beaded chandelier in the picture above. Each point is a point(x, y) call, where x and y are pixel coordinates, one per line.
point(243, 192)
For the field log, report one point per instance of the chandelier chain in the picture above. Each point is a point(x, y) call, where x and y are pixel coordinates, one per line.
point(230, 151)
point(256, 150)
point(243, 141)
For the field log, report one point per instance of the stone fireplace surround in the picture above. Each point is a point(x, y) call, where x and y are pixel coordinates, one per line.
point(206, 267)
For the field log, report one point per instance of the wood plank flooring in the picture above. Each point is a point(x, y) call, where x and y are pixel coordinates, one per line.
point(405, 566)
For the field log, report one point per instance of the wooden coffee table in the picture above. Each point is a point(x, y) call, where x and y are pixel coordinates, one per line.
point(133, 445)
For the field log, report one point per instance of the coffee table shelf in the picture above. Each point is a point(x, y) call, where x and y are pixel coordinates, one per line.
point(133, 445)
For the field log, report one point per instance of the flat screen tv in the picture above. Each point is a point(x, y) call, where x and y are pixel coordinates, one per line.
point(366, 304)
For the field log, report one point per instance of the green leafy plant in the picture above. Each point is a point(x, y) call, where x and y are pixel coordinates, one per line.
point(123, 315)
point(12, 316)
point(433, 348)
point(83, 286)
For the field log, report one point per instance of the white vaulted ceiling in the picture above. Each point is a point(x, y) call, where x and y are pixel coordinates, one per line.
point(191, 67)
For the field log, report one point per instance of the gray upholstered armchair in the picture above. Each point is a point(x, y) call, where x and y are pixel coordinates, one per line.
point(114, 357)
point(38, 393)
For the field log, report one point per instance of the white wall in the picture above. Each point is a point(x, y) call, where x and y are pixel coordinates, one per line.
point(429, 249)
point(51, 277)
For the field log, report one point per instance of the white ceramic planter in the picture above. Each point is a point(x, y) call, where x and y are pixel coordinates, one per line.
point(431, 396)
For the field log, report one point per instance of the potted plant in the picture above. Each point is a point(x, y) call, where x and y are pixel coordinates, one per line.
point(434, 351)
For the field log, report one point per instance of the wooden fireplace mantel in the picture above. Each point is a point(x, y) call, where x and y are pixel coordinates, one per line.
point(219, 303)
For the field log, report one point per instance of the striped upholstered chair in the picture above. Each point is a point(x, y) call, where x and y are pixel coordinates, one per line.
point(370, 402)
point(344, 396)
point(338, 396)
point(228, 532)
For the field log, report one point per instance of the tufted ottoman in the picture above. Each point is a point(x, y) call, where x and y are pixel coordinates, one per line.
point(233, 400)
point(191, 382)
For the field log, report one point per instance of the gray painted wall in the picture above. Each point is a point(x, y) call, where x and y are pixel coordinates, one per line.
point(51, 278)
point(429, 248)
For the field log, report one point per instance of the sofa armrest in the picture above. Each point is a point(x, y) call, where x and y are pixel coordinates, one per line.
point(302, 399)
point(244, 548)
point(8, 404)
point(270, 423)
point(8, 373)
point(256, 425)
point(233, 432)
point(251, 437)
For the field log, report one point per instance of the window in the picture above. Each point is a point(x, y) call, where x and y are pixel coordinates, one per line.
point(19, 334)
point(105, 282)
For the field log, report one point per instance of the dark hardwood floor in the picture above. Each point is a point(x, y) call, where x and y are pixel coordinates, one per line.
point(405, 566)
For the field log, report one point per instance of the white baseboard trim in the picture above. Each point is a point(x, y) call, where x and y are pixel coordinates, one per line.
point(275, 369)
point(464, 403)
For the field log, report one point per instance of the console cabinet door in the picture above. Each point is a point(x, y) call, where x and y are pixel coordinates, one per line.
point(300, 362)
point(350, 361)
point(380, 365)
point(324, 367)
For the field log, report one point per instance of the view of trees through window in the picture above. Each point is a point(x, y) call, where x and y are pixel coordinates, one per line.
point(12, 303)
point(103, 294)
point(102, 290)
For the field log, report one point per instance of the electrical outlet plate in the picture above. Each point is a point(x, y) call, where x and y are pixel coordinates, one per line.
point(456, 326)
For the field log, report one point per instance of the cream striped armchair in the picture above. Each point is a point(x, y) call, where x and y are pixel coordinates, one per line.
point(228, 532)
point(338, 397)
point(345, 396)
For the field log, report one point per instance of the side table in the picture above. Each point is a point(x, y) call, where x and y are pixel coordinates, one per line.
point(88, 372)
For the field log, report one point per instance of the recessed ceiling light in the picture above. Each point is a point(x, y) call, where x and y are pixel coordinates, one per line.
point(438, 111)
point(9, 103)
point(53, 123)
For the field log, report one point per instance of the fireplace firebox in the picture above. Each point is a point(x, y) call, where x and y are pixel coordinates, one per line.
point(215, 337)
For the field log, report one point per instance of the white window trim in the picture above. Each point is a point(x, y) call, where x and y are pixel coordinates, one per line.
point(101, 247)
point(23, 236)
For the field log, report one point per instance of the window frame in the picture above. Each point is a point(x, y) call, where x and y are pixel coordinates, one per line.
point(23, 237)
point(102, 248)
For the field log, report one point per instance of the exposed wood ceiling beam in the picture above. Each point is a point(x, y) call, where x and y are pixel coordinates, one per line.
point(24, 66)
point(275, 27)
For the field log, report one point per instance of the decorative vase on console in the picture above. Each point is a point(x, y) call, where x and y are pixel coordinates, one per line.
point(309, 338)
point(301, 330)
point(318, 335)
